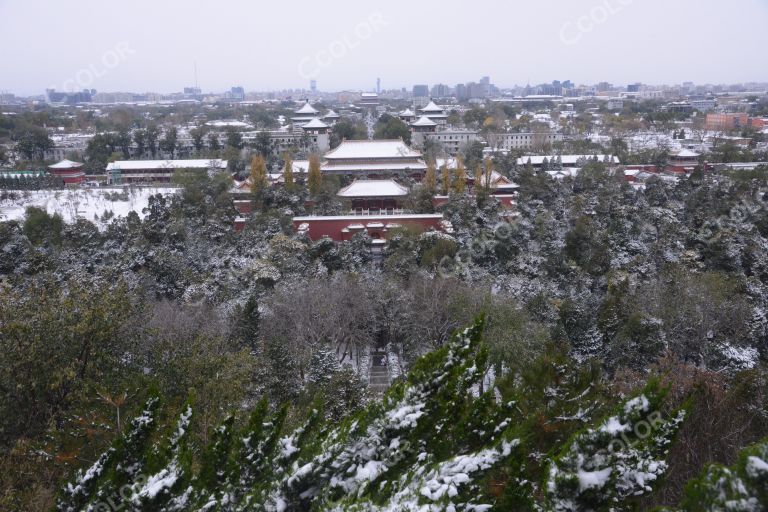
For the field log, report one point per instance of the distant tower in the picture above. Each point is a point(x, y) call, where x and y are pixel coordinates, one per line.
point(378, 86)
point(313, 85)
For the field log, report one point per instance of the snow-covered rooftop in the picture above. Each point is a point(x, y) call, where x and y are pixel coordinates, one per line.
point(450, 163)
point(567, 160)
point(306, 109)
point(229, 124)
point(299, 166)
point(407, 113)
point(686, 153)
point(366, 149)
point(373, 188)
point(65, 164)
point(432, 107)
point(331, 115)
point(423, 121)
point(128, 165)
point(315, 123)
point(364, 166)
point(499, 181)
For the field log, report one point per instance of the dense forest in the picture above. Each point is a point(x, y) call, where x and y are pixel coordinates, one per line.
point(602, 349)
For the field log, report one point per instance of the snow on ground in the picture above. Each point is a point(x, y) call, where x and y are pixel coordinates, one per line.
point(85, 203)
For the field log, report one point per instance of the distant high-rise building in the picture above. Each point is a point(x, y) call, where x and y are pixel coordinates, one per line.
point(633, 87)
point(68, 98)
point(548, 89)
point(420, 91)
point(192, 92)
point(237, 93)
point(313, 85)
point(486, 80)
point(440, 91)
point(476, 90)
point(378, 86)
point(604, 86)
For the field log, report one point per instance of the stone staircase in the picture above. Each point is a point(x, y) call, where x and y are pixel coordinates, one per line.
point(378, 374)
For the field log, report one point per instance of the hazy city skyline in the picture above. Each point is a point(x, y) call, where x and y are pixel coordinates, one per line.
point(155, 46)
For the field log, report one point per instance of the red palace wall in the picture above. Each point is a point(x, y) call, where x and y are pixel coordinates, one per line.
point(70, 177)
point(333, 227)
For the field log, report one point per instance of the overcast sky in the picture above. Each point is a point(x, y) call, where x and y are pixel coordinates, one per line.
point(153, 45)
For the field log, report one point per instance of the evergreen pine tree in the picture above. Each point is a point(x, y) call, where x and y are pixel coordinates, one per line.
point(439, 440)
point(166, 487)
point(742, 487)
point(215, 476)
point(121, 465)
point(323, 365)
point(618, 460)
point(558, 165)
point(280, 376)
point(247, 321)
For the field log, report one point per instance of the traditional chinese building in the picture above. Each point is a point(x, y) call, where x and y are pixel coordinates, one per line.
point(374, 197)
point(368, 100)
point(331, 117)
point(318, 134)
point(421, 129)
point(682, 162)
point(376, 207)
point(407, 116)
point(70, 172)
point(374, 159)
point(304, 114)
point(341, 228)
point(435, 112)
point(157, 171)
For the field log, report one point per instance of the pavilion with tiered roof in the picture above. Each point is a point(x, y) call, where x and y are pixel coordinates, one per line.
point(304, 114)
point(434, 112)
